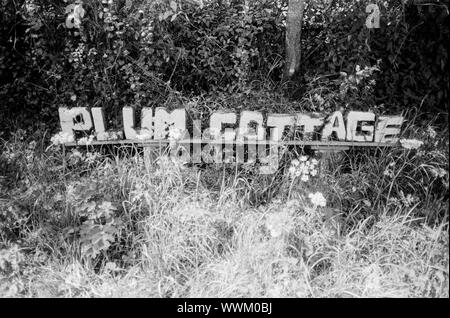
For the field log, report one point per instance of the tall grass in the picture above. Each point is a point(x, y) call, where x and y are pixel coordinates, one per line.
point(96, 223)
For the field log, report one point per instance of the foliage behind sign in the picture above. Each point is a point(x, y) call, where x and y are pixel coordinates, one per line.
point(132, 53)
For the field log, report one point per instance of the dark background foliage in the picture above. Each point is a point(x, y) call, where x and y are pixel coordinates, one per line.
point(140, 52)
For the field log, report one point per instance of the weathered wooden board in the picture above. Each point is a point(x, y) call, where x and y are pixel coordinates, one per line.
point(361, 128)
point(231, 137)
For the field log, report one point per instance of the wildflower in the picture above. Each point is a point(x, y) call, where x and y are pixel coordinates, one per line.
point(292, 170)
point(317, 199)
point(76, 153)
point(408, 200)
point(438, 172)
point(431, 132)
point(411, 143)
point(73, 98)
point(303, 168)
point(393, 201)
point(62, 138)
point(389, 171)
point(304, 178)
point(76, 12)
point(92, 156)
point(111, 267)
point(86, 140)
point(75, 157)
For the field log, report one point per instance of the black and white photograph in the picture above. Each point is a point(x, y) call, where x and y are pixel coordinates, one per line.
point(224, 154)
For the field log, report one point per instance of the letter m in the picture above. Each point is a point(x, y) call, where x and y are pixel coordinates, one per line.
point(163, 121)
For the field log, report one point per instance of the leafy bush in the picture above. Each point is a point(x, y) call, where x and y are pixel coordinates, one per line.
point(410, 44)
point(140, 52)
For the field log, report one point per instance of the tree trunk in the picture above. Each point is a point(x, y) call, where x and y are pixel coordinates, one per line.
point(293, 34)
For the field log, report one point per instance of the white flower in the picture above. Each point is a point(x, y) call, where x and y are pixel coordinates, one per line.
point(317, 199)
point(92, 156)
point(304, 168)
point(76, 154)
point(292, 171)
point(411, 143)
point(438, 172)
point(30, 6)
point(86, 140)
point(431, 132)
point(408, 200)
point(388, 172)
point(76, 12)
point(62, 138)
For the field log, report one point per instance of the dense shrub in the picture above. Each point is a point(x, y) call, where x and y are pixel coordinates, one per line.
point(411, 46)
point(140, 52)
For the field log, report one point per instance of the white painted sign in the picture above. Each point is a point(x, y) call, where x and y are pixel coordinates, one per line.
point(160, 124)
point(231, 137)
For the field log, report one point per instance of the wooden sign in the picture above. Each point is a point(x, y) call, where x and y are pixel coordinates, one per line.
point(230, 134)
